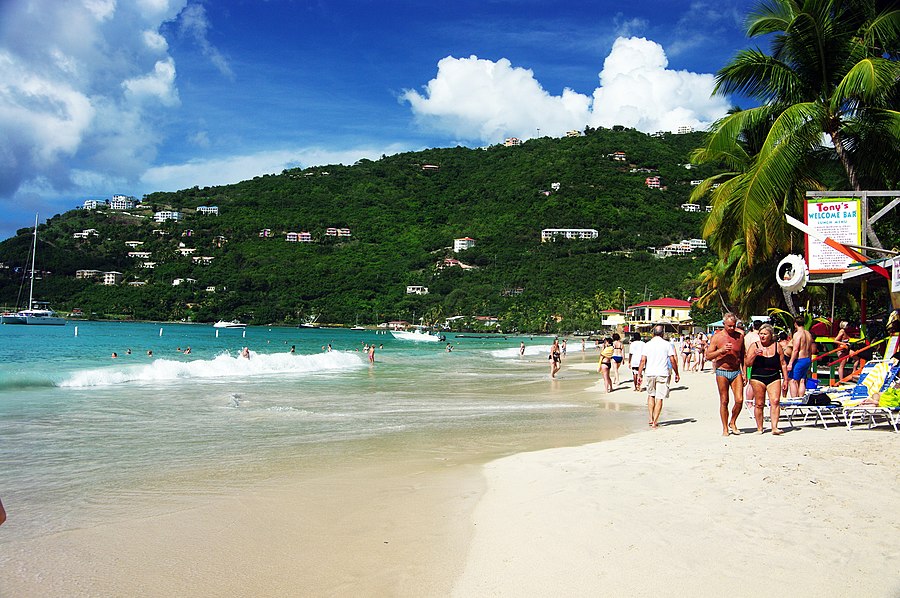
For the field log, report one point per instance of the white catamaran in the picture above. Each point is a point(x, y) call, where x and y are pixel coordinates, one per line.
point(38, 313)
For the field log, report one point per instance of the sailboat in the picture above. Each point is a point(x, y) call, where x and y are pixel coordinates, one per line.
point(38, 313)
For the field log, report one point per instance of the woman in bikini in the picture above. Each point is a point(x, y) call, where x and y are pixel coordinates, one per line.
point(606, 355)
point(686, 353)
point(618, 355)
point(768, 376)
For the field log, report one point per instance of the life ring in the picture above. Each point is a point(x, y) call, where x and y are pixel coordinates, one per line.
point(792, 274)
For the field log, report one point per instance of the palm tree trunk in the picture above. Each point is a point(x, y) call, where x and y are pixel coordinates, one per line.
point(850, 169)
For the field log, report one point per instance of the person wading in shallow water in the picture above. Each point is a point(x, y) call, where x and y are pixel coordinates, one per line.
point(555, 357)
point(726, 351)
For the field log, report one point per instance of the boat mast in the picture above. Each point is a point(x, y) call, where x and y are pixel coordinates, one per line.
point(33, 251)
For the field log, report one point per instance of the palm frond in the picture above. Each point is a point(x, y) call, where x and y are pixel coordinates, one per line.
point(868, 81)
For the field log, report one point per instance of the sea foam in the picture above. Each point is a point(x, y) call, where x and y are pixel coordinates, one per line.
point(514, 351)
point(223, 365)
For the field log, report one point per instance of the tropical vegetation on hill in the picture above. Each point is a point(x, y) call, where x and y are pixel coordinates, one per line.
point(829, 91)
point(403, 212)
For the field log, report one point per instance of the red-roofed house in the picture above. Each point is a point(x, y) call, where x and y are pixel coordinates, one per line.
point(665, 309)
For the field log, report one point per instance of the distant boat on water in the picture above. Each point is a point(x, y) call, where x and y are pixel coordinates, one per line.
point(231, 324)
point(418, 334)
point(310, 322)
point(38, 313)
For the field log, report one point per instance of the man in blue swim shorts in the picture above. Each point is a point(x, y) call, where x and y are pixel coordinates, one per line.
point(798, 367)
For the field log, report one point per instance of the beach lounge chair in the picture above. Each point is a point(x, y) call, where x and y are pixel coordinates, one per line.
point(883, 375)
point(872, 415)
point(821, 413)
point(837, 404)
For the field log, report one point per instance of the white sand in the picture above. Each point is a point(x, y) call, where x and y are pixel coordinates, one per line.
point(682, 511)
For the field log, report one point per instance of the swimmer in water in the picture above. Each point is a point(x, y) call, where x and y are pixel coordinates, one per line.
point(245, 352)
point(114, 355)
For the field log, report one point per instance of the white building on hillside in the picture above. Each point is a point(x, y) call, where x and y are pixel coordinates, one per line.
point(208, 210)
point(167, 215)
point(122, 202)
point(463, 244)
point(550, 234)
point(111, 278)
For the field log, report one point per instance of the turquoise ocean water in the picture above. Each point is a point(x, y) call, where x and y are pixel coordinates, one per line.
point(81, 432)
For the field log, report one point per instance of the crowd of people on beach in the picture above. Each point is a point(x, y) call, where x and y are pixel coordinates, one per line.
point(755, 364)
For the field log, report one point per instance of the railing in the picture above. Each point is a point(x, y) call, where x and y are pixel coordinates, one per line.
point(832, 366)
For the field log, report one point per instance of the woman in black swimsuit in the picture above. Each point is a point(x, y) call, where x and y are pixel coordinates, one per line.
point(555, 357)
point(768, 378)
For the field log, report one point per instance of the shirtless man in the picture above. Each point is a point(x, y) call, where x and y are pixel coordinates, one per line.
point(726, 351)
point(752, 335)
point(798, 366)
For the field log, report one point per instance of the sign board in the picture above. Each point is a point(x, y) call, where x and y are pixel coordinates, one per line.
point(895, 283)
point(839, 219)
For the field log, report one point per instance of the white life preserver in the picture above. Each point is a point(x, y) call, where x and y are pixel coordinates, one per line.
point(792, 274)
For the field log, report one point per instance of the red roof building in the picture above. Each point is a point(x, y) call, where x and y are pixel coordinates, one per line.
point(665, 309)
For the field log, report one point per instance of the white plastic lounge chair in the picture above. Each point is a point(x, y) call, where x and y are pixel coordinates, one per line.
point(879, 379)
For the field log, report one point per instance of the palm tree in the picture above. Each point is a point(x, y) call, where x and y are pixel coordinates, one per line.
point(829, 92)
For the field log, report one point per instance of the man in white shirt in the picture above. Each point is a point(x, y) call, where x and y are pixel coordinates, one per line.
point(635, 350)
point(657, 362)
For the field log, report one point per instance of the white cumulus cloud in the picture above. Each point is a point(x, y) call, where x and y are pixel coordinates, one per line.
point(479, 99)
point(158, 84)
point(86, 96)
point(472, 98)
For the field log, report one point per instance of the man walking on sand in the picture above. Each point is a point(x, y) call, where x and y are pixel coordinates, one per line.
point(658, 360)
point(635, 352)
point(726, 351)
point(798, 367)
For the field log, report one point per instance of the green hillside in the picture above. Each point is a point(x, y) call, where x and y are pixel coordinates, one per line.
point(403, 219)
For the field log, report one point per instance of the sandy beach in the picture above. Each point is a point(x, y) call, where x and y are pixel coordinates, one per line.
point(682, 511)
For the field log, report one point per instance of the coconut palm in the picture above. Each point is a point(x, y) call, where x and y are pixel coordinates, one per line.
point(829, 92)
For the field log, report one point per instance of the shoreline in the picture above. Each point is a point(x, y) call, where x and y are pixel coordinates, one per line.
point(377, 521)
point(647, 514)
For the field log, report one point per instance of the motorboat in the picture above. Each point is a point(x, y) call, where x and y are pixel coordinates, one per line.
point(357, 327)
point(310, 322)
point(231, 324)
point(38, 312)
point(418, 334)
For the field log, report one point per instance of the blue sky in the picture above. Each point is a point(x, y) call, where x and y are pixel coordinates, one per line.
point(99, 97)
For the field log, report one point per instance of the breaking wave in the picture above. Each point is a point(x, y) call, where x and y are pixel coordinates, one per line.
point(222, 366)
